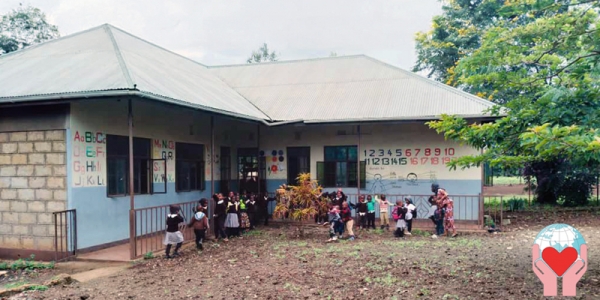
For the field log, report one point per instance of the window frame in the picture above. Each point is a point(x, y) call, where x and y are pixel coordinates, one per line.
point(328, 170)
point(137, 159)
point(199, 163)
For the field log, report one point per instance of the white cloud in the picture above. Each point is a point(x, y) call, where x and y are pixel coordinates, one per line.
point(225, 32)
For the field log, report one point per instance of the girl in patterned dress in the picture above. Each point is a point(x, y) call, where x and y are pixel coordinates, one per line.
point(444, 201)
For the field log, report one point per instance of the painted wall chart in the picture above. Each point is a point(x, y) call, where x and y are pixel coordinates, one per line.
point(88, 162)
point(275, 163)
point(163, 149)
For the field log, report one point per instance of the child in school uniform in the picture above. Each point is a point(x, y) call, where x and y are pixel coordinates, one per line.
point(411, 213)
point(200, 224)
point(232, 223)
point(173, 236)
point(361, 210)
point(399, 214)
point(383, 211)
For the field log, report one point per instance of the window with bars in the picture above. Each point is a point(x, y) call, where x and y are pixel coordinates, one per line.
point(189, 167)
point(225, 167)
point(117, 153)
point(340, 168)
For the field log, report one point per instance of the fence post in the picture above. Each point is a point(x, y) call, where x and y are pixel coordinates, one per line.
point(501, 209)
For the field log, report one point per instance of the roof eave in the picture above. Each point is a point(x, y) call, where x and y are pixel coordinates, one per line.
point(44, 98)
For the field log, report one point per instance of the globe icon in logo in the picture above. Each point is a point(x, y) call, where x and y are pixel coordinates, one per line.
point(559, 237)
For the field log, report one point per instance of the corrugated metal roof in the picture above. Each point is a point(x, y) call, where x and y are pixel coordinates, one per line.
point(108, 61)
point(342, 88)
point(106, 58)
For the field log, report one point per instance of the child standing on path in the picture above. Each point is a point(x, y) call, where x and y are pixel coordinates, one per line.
point(200, 224)
point(383, 212)
point(173, 235)
point(370, 212)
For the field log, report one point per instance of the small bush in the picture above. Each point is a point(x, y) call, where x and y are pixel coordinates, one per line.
point(149, 255)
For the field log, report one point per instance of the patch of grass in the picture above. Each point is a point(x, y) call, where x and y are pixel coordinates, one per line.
point(450, 296)
point(254, 233)
point(40, 288)
point(14, 284)
point(26, 264)
point(149, 255)
point(417, 232)
point(425, 292)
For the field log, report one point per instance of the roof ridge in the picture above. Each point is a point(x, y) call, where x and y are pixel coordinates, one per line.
point(155, 45)
point(186, 58)
point(120, 58)
point(457, 91)
point(288, 61)
point(49, 42)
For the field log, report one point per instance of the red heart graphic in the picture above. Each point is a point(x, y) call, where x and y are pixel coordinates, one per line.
point(559, 262)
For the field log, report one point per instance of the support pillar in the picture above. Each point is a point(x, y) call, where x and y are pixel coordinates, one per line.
point(212, 156)
point(131, 189)
point(358, 162)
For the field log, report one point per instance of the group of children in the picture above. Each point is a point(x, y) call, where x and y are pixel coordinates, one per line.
point(340, 219)
point(234, 214)
point(340, 215)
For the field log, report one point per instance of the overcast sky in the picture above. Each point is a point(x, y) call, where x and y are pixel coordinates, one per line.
point(226, 32)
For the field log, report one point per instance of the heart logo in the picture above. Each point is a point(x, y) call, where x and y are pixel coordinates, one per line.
point(559, 262)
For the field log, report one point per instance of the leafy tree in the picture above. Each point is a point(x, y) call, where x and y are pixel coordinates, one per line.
point(23, 27)
point(545, 71)
point(455, 34)
point(333, 54)
point(300, 202)
point(262, 55)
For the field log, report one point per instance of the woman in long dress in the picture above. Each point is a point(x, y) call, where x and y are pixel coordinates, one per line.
point(446, 203)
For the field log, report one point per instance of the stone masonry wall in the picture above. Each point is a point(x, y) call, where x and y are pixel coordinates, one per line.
point(32, 186)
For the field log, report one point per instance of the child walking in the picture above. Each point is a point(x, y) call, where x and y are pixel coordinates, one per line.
point(173, 235)
point(384, 212)
point(399, 214)
point(200, 224)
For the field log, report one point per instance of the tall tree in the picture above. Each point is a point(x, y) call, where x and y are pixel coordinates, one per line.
point(546, 72)
point(23, 27)
point(262, 55)
point(455, 34)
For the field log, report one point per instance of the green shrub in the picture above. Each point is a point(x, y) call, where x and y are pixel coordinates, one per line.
point(149, 255)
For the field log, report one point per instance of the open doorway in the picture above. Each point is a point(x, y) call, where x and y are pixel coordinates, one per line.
point(298, 162)
point(248, 171)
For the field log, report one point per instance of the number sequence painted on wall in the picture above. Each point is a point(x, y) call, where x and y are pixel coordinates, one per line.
point(409, 156)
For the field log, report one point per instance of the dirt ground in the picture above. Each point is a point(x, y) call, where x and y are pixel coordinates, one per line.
point(271, 263)
point(515, 189)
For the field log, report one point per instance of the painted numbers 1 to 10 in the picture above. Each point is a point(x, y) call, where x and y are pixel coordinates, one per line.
point(409, 152)
point(386, 161)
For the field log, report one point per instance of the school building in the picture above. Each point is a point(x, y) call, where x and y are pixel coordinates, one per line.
point(69, 109)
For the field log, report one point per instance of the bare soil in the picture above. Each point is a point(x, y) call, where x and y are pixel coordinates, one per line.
point(272, 263)
point(496, 190)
